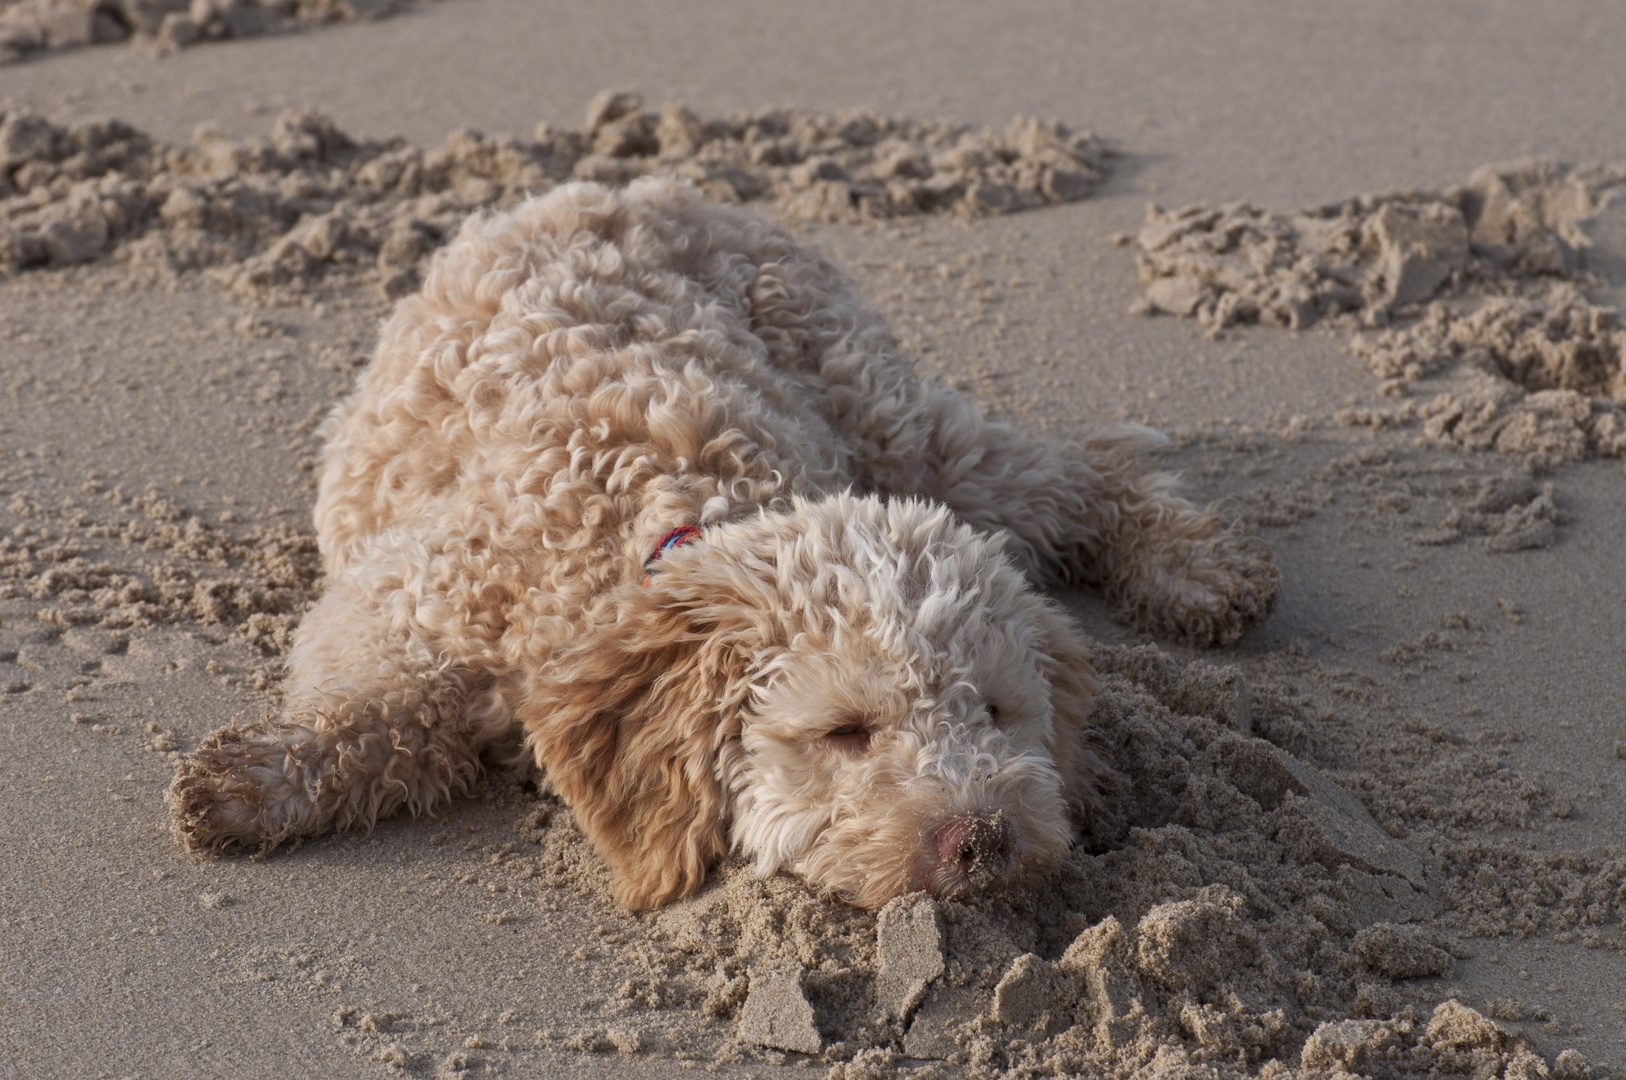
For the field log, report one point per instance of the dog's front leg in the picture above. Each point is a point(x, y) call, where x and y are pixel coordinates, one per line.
point(374, 720)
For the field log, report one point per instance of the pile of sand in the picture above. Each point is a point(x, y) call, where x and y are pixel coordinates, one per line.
point(29, 26)
point(1545, 376)
point(1372, 259)
point(1479, 278)
point(1249, 915)
point(274, 217)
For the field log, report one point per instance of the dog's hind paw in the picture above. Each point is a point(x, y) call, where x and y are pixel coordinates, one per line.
point(1223, 587)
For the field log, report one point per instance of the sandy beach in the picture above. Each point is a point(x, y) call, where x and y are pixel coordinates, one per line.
point(1358, 263)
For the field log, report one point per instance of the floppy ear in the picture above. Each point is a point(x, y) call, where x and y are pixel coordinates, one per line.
point(1089, 785)
point(627, 722)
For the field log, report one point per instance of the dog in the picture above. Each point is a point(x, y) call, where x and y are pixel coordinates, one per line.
point(636, 485)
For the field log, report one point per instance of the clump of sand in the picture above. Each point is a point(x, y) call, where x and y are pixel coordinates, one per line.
point(1545, 376)
point(1247, 915)
point(850, 166)
point(32, 26)
point(1480, 278)
point(1368, 260)
point(275, 216)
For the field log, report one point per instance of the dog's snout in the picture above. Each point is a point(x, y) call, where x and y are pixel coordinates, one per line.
point(974, 848)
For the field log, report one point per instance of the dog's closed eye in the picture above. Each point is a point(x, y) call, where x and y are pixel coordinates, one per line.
point(850, 738)
point(993, 712)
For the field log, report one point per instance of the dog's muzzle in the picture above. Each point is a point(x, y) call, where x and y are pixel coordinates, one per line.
point(970, 851)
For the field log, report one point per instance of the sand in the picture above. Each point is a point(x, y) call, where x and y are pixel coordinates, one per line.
point(1382, 835)
point(308, 205)
point(1484, 281)
point(160, 26)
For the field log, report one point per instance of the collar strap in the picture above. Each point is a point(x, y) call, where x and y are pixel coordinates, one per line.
point(683, 534)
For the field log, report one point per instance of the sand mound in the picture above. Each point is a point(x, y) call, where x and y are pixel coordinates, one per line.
point(1483, 276)
point(274, 217)
point(1367, 261)
point(1249, 916)
point(29, 26)
point(1547, 375)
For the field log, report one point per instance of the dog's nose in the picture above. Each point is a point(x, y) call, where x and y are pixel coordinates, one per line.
point(974, 847)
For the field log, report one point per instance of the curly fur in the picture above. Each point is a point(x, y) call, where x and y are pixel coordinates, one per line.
point(863, 688)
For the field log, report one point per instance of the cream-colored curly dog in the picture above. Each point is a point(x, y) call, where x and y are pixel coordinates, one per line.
point(638, 477)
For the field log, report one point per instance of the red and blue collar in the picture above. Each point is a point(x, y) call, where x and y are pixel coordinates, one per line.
point(683, 534)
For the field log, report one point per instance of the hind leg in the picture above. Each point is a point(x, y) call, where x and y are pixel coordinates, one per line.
point(375, 720)
point(1090, 513)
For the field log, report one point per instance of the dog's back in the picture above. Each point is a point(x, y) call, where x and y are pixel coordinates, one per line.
point(570, 362)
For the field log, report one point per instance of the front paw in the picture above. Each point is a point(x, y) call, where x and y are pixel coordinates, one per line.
point(1210, 592)
point(225, 794)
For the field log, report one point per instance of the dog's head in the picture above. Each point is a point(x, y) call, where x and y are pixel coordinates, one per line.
point(865, 692)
